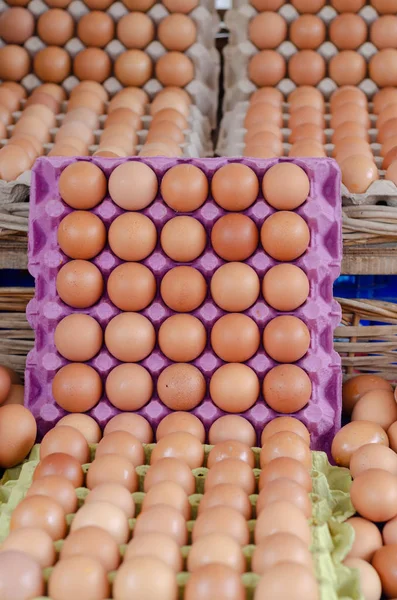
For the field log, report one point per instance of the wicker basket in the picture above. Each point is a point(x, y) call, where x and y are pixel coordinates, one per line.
point(16, 336)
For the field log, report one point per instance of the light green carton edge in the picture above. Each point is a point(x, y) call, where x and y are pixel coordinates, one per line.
point(332, 538)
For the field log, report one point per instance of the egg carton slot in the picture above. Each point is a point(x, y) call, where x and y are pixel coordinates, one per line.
point(332, 537)
point(231, 143)
point(240, 50)
point(321, 263)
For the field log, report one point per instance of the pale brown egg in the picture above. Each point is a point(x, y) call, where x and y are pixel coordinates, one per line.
point(285, 287)
point(391, 173)
point(216, 548)
point(17, 434)
point(181, 386)
point(170, 469)
point(16, 395)
point(234, 387)
point(112, 468)
point(175, 182)
point(79, 284)
point(58, 488)
point(77, 387)
point(278, 189)
point(131, 286)
point(267, 30)
point(284, 489)
point(285, 467)
point(132, 236)
point(66, 440)
point(20, 576)
point(235, 187)
point(162, 519)
point(62, 465)
point(373, 456)
point(13, 162)
point(389, 533)
point(135, 30)
point(230, 449)
point(26, 144)
point(382, 68)
point(349, 129)
point(93, 542)
point(383, 98)
point(170, 115)
point(122, 443)
point(235, 338)
point(306, 67)
point(351, 147)
point(169, 493)
point(113, 493)
point(354, 435)
point(14, 63)
point(122, 186)
point(182, 338)
point(132, 423)
point(267, 68)
point(389, 144)
point(265, 139)
point(287, 579)
point(133, 67)
point(346, 113)
point(85, 424)
point(377, 406)
point(221, 520)
point(383, 32)
point(348, 31)
point(267, 94)
point(282, 517)
point(186, 28)
point(9, 99)
point(373, 494)
point(169, 99)
point(17, 89)
point(155, 545)
point(135, 576)
point(130, 337)
point(306, 95)
point(307, 131)
point(258, 151)
point(235, 286)
point(234, 237)
point(383, 562)
point(279, 548)
point(307, 148)
point(307, 32)
point(369, 578)
point(166, 129)
point(181, 445)
point(214, 580)
point(183, 289)
point(286, 339)
point(82, 185)
point(231, 471)
point(232, 427)
point(286, 444)
point(306, 114)
point(183, 239)
point(367, 539)
point(227, 494)
point(285, 424)
point(181, 421)
point(82, 328)
point(78, 575)
point(358, 172)
point(174, 69)
point(42, 512)
point(82, 235)
point(33, 542)
point(348, 68)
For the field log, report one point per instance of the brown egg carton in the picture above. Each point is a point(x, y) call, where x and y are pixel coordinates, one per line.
point(240, 49)
point(203, 88)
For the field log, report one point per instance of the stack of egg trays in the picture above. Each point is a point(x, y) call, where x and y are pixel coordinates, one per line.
point(239, 89)
point(332, 537)
point(321, 262)
point(204, 87)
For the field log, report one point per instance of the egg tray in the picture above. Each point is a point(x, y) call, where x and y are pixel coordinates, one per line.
point(203, 88)
point(320, 312)
point(332, 537)
point(240, 50)
point(231, 143)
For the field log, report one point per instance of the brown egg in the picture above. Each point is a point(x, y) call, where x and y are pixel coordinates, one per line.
point(235, 187)
point(278, 189)
point(186, 28)
point(55, 27)
point(58, 488)
point(115, 494)
point(231, 471)
point(389, 533)
point(84, 330)
point(373, 456)
point(285, 444)
point(132, 236)
point(52, 64)
point(66, 440)
point(25, 144)
point(287, 388)
point(347, 6)
point(384, 563)
point(132, 423)
point(306, 95)
point(389, 158)
point(388, 146)
point(367, 539)
point(266, 68)
point(42, 512)
point(383, 32)
point(112, 468)
point(85, 424)
point(285, 424)
point(373, 494)
point(129, 387)
point(166, 129)
point(350, 112)
point(286, 338)
point(79, 284)
point(92, 63)
point(181, 386)
point(348, 31)
point(131, 286)
point(78, 575)
point(183, 289)
point(231, 449)
point(16, 25)
point(358, 172)
point(383, 97)
point(391, 173)
point(307, 131)
point(5, 384)
point(258, 151)
point(82, 235)
point(306, 68)
point(307, 32)
point(232, 427)
point(234, 387)
point(9, 99)
point(215, 581)
point(235, 287)
point(77, 387)
point(17, 434)
point(306, 114)
point(20, 576)
point(285, 236)
point(16, 395)
point(170, 469)
point(95, 28)
point(33, 542)
point(13, 162)
point(183, 239)
point(348, 68)
point(174, 69)
point(60, 464)
point(142, 5)
point(377, 406)
point(92, 542)
point(267, 94)
point(169, 99)
point(133, 67)
point(280, 548)
point(14, 62)
point(221, 520)
point(170, 115)
point(309, 6)
point(135, 577)
point(287, 467)
point(267, 140)
point(175, 182)
point(130, 337)
point(226, 494)
point(182, 338)
point(235, 338)
point(181, 421)
point(392, 434)
point(282, 517)
point(82, 115)
point(216, 548)
point(135, 30)
point(267, 30)
point(181, 445)
point(286, 579)
point(281, 278)
point(156, 545)
point(354, 435)
point(284, 489)
point(82, 185)
point(169, 493)
point(123, 444)
point(349, 129)
point(234, 237)
point(162, 519)
point(5, 119)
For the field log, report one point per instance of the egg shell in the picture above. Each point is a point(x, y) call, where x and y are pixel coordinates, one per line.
point(320, 313)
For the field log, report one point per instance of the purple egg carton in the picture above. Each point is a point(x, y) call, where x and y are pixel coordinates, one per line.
point(321, 262)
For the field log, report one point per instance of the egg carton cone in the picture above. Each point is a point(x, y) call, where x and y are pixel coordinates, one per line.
point(240, 50)
point(332, 537)
point(321, 262)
